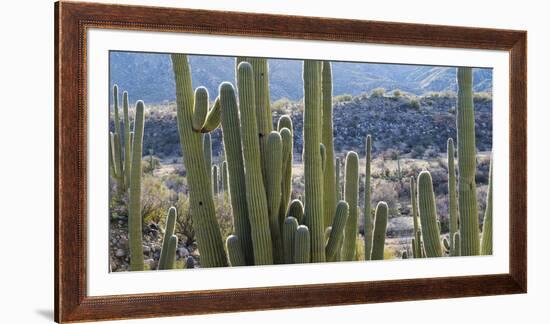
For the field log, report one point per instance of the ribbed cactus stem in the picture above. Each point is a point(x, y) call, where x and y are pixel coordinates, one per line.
point(134, 208)
point(225, 178)
point(337, 233)
point(456, 243)
point(274, 176)
point(369, 224)
point(215, 180)
point(428, 216)
point(255, 190)
point(323, 152)
point(231, 129)
point(168, 232)
point(290, 226)
point(313, 171)
point(379, 236)
point(127, 142)
point(337, 181)
point(118, 162)
point(213, 118)
point(414, 207)
point(302, 245)
point(202, 208)
point(112, 164)
point(351, 194)
point(446, 244)
point(487, 236)
point(329, 175)
point(286, 181)
point(453, 202)
point(170, 261)
point(467, 195)
point(200, 109)
point(296, 210)
point(207, 150)
point(234, 251)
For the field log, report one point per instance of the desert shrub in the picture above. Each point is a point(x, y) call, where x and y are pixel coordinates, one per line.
point(175, 183)
point(483, 96)
point(184, 223)
point(378, 92)
point(417, 151)
point(390, 154)
point(150, 164)
point(342, 98)
point(384, 191)
point(223, 214)
point(281, 105)
point(397, 94)
point(155, 198)
point(415, 104)
point(430, 153)
point(359, 248)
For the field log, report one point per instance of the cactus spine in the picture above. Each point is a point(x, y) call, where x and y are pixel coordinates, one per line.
point(487, 236)
point(367, 214)
point(274, 154)
point(234, 251)
point(428, 217)
point(289, 230)
point(329, 175)
point(337, 232)
point(379, 236)
point(200, 190)
point(351, 194)
point(168, 232)
point(134, 208)
point(255, 190)
point(313, 172)
point(231, 129)
point(453, 207)
point(302, 245)
point(467, 196)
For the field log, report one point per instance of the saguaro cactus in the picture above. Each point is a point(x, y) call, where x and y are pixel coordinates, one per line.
point(337, 232)
point(207, 150)
point(296, 210)
point(467, 195)
point(127, 140)
point(312, 158)
point(255, 190)
point(453, 207)
point(289, 230)
point(367, 213)
point(231, 129)
point(414, 206)
point(428, 217)
point(234, 251)
point(134, 208)
point(215, 180)
point(302, 245)
point(487, 237)
point(274, 154)
point(168, 232)
point(351, 194)
point(329, 175)
point(379, 236)
point(170, 260)
point(338, 184)
point(200, 109)
point(200, 189)
point(286, 181)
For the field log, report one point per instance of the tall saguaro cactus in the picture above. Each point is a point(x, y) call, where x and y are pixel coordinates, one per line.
point(367, 214)
point(329, 178)
point(127, 140)
point(414, 206)
point(134, 208)
point(313, 169)
point(467, 195)
point(337, 233)
point(255, 190)
point(379, 236)
point(351, 194)
point(302, 245)
point(235, 166)
point(428, 217)
point(168, 232)
point(274, 176)
point(487, 236)
point(453, 207)
point(200, 189)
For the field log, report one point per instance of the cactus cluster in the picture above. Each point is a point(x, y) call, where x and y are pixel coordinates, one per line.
point(256, 178)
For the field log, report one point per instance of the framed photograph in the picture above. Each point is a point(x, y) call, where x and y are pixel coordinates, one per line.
point(211, 161)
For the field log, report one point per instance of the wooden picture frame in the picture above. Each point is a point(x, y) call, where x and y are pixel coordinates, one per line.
point(72, 20)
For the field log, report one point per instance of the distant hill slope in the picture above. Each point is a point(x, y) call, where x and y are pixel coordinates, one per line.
point(149, 76)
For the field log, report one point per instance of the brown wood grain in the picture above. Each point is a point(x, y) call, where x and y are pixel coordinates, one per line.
point(72, 20)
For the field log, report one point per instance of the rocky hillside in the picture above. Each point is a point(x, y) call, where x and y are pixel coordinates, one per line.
point(412, 126)
point(150, 75)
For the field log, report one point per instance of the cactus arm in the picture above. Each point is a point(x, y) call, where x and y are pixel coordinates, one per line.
point(313, 172)
point(337, 181)
point(234, 251)
point(289, 230)
point(286, 183)
point(202, 209)
point(170, 262)
point(296, 210)
point(329, 175)
point(274, 172)
point(367, 213)
point(351, 193)
point(213, 118)
point(302, 245)
point(467, 195)
point(255, 190)
point(127, 142)
point(112, 164)
point(200, 109)
point(414, 207)
point(337, 232)
point(453, 202)
point(456, 242)
point(134, 208)
point(487, 236)
point(428, 217)
point(168, 232)
point(231, 129)
point(379, 236)
point(207, 151)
